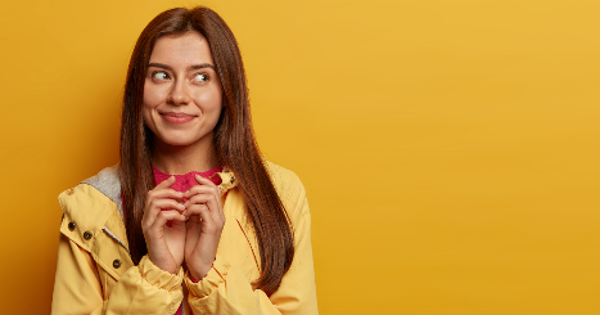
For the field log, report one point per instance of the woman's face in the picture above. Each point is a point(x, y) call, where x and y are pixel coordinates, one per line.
point(182, 92)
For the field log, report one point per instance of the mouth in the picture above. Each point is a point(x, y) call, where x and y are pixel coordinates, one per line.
point(177, 118)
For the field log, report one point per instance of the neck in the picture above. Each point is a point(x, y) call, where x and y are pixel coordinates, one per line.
point(179, 160)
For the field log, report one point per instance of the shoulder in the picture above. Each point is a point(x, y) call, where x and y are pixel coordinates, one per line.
point(105, 184)
point(290, 189)
point(107, 181)
point(92, 219)
point(94, 200)
point(284, 180)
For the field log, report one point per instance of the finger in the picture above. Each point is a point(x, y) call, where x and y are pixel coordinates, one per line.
point(203, 181)
point(168, 193)
point(209, 220)
point(201, 210)
point(156, 206)
point(164, 193)
point(202, 189)
point(154, 231)
point(211, 223)
point(164, 216)
point(213, 204)
point(162, 204)
point(166, 183)
point(197, 199)
point(208, 183)
point(208, 188)
point(214, 189)
point(205, 190)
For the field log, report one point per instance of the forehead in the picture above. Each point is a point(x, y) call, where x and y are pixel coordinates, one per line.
point(182, 49)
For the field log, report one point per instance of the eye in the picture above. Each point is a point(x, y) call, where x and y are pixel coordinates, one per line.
point(160, 75)
point(201, 77)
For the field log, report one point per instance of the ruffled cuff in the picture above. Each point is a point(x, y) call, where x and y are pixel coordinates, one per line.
point(215, 277)
point(158, 277)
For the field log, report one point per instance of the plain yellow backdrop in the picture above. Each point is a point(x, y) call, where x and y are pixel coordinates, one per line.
point(450, 149)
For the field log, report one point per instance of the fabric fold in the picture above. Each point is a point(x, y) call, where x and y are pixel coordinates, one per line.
point(158, 277)
point(216, 276)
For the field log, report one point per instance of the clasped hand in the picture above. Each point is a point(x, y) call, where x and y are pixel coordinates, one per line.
point(196, 242)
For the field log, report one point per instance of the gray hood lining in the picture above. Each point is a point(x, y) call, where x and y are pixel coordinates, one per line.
point(108, 183)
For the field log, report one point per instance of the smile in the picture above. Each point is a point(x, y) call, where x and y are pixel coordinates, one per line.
point(177, 118)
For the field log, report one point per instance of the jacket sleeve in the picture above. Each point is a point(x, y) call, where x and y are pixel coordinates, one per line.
point(227, 290)
point(143, 289)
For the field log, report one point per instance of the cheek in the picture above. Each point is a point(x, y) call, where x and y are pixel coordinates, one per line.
point(153, 95)
point(211, 101)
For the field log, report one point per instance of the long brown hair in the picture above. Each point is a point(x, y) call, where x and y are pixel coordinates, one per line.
point(233, 138)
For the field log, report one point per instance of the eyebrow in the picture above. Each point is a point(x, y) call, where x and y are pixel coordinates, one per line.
point(190, 68)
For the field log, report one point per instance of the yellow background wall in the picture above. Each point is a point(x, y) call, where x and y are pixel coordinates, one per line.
point(450, 149)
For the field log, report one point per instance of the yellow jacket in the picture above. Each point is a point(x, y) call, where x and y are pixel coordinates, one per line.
point(95, 274)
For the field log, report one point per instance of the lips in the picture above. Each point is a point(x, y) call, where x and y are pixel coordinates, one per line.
point(177, 118)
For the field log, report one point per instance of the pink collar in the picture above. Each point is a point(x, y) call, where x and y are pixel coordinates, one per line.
point(186, 181)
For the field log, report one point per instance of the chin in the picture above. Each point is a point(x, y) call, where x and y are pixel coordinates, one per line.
point(179, 142)
point(181, 138)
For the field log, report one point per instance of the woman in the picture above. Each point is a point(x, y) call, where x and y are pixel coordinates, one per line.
point(192, 220)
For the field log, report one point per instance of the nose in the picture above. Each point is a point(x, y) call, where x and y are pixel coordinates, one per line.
point(179, 94)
